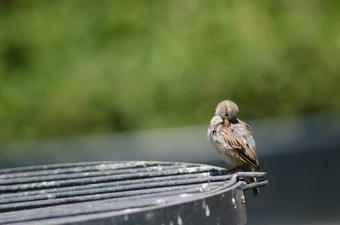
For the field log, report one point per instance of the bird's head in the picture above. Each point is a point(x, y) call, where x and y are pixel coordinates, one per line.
point(227, 110)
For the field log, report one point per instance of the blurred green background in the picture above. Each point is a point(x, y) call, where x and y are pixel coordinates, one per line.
point(82, 67)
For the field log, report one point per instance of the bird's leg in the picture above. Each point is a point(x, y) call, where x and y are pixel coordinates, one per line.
point(234, 170)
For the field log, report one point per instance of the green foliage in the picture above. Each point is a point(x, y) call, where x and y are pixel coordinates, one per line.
point(75, 67)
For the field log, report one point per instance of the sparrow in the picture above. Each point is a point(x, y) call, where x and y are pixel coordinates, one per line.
point(233, 141)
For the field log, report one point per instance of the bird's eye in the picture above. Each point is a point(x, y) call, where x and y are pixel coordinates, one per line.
point(226, 115)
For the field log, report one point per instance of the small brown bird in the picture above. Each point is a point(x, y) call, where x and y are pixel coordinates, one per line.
point(232, 140)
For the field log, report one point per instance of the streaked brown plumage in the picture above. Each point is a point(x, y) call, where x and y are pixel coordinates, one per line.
point(232, 139)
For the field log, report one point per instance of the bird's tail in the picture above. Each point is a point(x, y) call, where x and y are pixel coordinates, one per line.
point(256, 191)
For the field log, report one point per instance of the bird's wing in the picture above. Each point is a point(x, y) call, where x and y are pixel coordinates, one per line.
point(238, 137)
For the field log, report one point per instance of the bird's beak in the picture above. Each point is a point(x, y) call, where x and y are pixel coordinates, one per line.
point(226, 122)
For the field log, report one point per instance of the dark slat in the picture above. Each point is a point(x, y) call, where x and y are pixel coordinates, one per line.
point(102, 185)
point(113, 188)
point(54, 176)
point(100, 178)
